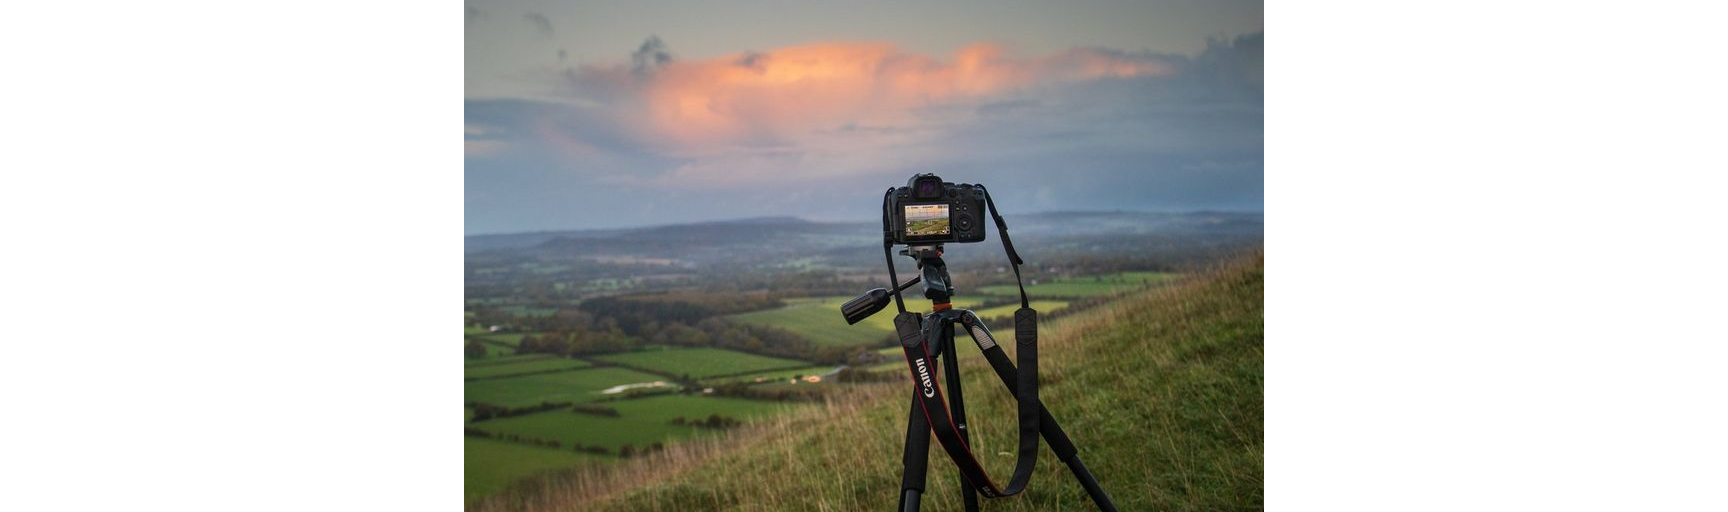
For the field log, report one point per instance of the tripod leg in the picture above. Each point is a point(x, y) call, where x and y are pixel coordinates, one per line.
point(916, 458)
point(1090, 483)
point(1052, 432)
point(957, 408)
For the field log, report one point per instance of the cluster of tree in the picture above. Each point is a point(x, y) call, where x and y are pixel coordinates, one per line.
point(775, 393)
point(640, 314)
point(596, 409)
point(596, 449)
point(576, 342)
point(483, 412)
point(752, 338)
point(475, 349)
point(713, 421)
point(575, 333)
point(787, 282)
point(628, 450)
point(536, 441)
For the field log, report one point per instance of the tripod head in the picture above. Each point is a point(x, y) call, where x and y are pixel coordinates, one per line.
point(937, 286)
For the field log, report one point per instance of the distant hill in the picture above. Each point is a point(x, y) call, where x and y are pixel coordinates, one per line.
point(795, 231)
point(1162, 391)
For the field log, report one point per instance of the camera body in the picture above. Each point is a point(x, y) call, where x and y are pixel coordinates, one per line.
point(929, 211)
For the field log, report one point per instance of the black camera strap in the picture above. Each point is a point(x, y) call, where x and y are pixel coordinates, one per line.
point(1013, 257)
point(921, 360)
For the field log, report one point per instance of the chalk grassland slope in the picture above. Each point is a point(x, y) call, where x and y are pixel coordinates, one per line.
point(1162, 390)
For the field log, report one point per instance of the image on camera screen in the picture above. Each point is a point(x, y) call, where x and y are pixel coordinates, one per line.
point(926, 219)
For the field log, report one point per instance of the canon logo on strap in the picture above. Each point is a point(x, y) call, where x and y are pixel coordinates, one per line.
point(924, 376)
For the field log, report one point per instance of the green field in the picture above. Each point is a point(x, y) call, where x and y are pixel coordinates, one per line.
point(699, 362)
point(489, 465)
point(773, 376)
point(818, 319)
point(571, 386)
point(640, 421)
point(1007, 311)
point(526, 366)
point(1079, 287)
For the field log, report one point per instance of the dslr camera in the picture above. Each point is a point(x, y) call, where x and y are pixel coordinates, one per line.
point(929, 211)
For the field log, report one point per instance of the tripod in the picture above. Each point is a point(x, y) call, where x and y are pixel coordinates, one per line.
point(938, 329)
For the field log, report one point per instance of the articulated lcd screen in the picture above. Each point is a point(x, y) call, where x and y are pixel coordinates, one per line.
point(926, 219)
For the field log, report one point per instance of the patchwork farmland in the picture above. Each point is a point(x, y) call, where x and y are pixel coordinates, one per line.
point(529, 413)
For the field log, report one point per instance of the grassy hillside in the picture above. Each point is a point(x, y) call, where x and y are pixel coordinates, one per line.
point(1162, 390)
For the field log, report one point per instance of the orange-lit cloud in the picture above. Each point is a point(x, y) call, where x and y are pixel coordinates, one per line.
point(795, 95)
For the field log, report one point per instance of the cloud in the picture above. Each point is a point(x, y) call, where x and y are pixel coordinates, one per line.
point(542, 25)
point(481, 140)
point(818, 130)
point(652, 55)
point(814, 97)
point(859, 111)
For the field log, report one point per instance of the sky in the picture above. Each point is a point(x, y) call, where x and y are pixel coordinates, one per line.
point(586, 115)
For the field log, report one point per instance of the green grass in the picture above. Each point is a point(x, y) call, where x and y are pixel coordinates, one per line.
point(699, 362)
point(489, 465)
point(640, 421)
point(1007, 310)
point(1080, 287)
point(772, 376)
point(527, 366)
point(571, 386)
point(1161, 390)
point(819, 320)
